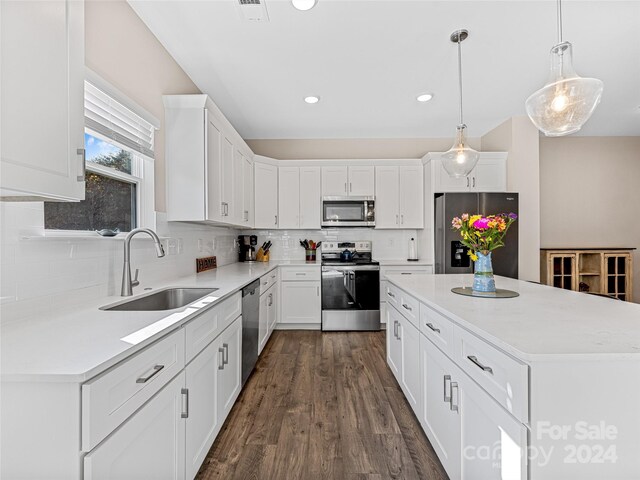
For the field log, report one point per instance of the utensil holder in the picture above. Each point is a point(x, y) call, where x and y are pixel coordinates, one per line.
point(261, 256)
point(310, 255)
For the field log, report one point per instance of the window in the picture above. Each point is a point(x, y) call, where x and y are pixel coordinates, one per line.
point(119, 164)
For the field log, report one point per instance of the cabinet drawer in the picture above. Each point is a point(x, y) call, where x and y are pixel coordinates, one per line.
point(417, 270)
point(502, 376)
point(392, 295)
point(437, 328)
point(109, 399)
point(288, 274)
point(207, 326)
point(267, 280)
point(410, 308)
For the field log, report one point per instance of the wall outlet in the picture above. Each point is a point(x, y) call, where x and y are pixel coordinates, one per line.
point(180, 246)
point(172, 246)
point(213, 243)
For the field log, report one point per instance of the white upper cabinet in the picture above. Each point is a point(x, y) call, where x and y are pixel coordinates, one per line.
point(205, 159)
point(266, 195)
point(247, 193)
point(399, 196)
point(335, 181)
point(299, 197)
point(42, 94)
point(489, 175)
point(289, 197)
point(353, 181)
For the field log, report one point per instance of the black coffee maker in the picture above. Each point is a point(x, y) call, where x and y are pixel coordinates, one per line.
point(247, 248)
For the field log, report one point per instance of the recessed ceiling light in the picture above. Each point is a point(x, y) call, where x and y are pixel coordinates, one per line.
point(424, 97)
point(312, 99)
point(304, 5)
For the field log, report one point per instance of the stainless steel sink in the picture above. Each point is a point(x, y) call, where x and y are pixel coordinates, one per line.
point(166, 299)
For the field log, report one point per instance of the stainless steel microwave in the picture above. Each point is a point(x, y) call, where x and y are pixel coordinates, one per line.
point(348, 212)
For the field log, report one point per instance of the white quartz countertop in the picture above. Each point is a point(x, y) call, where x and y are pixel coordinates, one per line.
point(74, 346)
point(402, 262)
point(543, 323)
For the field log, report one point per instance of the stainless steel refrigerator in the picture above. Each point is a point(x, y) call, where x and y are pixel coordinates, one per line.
point(450, 255)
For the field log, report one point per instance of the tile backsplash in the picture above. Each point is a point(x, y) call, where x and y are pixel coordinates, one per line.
point(387, 244)
point(40, 272)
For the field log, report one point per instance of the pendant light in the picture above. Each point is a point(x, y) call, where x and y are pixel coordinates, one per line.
point(460, 159)
point(567, 101)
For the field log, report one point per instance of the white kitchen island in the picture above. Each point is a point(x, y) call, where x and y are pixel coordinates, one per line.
point(542, 386)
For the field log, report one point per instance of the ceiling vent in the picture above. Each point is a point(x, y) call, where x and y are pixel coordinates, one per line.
point(253, 10)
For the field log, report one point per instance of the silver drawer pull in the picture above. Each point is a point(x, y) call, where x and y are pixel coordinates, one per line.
point(300, 273)
point(447, 389)
point(405, 273)
point(221, 365)
point(264, 283)
point(454, 406)
point(185, 401)
point(156, 370)
point(407, 307)
point(430, 325)
point(391, 295)
point(475, 361)
point(225, 355)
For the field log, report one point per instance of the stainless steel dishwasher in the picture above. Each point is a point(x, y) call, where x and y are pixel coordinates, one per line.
point(250, 314)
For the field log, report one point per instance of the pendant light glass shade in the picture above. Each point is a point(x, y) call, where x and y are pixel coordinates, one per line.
point(460, 159)
point(567, 101)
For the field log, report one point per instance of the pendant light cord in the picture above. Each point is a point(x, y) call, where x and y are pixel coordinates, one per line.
point(559, 8)
point(460, 76)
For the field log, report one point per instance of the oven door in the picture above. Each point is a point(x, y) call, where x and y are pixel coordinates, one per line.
point(348, 212)
point(350, 298)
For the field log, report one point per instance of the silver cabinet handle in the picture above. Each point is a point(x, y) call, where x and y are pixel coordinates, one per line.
point(345, 187)
point(447, 388)
point(276, 221)
point(397, 219)
point(399, 327)
point(402, 219)
point(395, 328)
point(264, 283)
point(405, 273)
point(222, 209)
point(350, 187)
point(430, 325)
point(474, 181)
point(185, 399)
point(246, 215)
point(454, 406)
point(318, 291)
point(301, 273)
point(83, 167)
point(407, 307)
point(225, 355)
point(221, 365)
point(270, 299)
point(391, 295)
point(467, 182)
point(156, 370)
point(477, 363)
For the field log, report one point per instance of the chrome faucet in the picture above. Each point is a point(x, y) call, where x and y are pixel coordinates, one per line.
point(127, 283)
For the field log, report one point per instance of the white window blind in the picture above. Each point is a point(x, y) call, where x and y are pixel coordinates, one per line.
point(110, 118)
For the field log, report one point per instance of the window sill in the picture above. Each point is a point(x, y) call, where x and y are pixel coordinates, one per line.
point(72, 235)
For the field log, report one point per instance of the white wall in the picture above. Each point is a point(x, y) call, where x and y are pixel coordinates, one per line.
point(520, 138)
point(590, 194)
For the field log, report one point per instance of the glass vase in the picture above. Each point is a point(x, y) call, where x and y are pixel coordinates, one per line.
point(483, 281)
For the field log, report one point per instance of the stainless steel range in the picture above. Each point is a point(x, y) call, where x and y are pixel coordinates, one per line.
point(350, 287)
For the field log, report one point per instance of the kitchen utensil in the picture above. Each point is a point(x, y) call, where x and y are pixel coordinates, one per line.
point(346, 256)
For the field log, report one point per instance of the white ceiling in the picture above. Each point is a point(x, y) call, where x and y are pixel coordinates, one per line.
point(368, 60)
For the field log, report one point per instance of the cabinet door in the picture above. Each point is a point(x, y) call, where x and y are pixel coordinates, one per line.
point(411, 197)
point(334, 181)
point(263, 321)
point(202, 422)
point(151, 444)
point(266, 196)
point(229, 368)
point(387, 196)
point(236, 209)
point(410, 370)
point(310, 198)
point(444, 183)
point(394, 348)
point(225, 181)
point(490, 175)
point(213, 172)
point(362, 181)
point(301, 302)
point(42, 95)
point(289, 197)
point(247, 201)
point(494, 443)
point(439, 419)
point(274, 312)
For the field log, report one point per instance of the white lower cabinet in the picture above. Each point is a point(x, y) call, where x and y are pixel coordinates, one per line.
point(229, 368)
point(394, 348)
point(149, 445)
point(203, 423)
point(300, 299)
point(410, 369)
point(439, 417)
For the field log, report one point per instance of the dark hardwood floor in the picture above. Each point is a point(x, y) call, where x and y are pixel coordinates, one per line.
point(322, 406)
